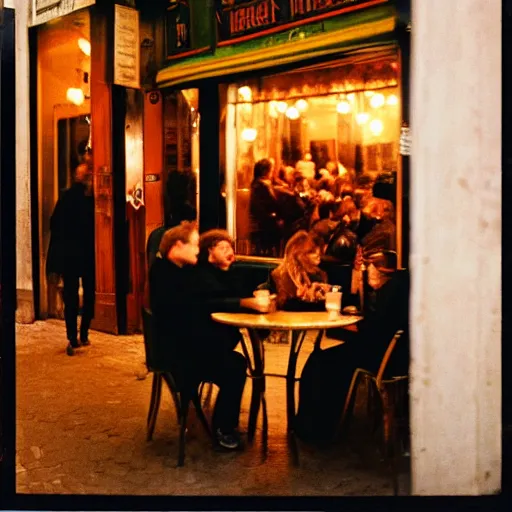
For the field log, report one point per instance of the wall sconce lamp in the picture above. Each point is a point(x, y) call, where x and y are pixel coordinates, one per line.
point(76, 95)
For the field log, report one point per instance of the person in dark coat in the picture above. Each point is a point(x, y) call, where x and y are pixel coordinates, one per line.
point(71, 254)
point(327, 374)
point(218, 288)
point(266, 221)
point(184, 343)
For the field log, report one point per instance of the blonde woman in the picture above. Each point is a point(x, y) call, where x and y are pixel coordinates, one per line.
point(298, 281)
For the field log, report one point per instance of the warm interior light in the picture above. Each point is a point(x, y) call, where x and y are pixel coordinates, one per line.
point(392, 100)
point(369, 94)
point(376, 127)
point(377, 100)
point(343, 107)
point(272, 109)
point(282, 106)
point(75, 95)
point(292, 113)
point(85, 46)
point(249, 134)
point(351, 96)
point(362, 118)
point(301, 105)
point(245, 93)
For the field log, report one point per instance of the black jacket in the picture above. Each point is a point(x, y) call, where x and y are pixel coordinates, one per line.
point(386, 311)
point(173, 308)
point(71, 249)
point(217, 290)
point(182, 300)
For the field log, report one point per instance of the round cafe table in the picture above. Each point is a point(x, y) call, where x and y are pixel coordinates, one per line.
point(299, 323)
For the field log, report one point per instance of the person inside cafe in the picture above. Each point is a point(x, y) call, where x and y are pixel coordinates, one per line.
point(380, 215)
point(327, 374)
point(298, 281)
point(182, 344)
point(264, 210)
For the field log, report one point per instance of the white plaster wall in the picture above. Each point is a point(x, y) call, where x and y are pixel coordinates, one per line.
point(23, 223)
point(456, 247)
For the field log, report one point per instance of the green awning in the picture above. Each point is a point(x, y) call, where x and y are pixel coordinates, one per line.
point(351, 33)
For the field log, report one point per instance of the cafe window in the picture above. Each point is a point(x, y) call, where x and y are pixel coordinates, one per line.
point(181, 155)
point(328, 131)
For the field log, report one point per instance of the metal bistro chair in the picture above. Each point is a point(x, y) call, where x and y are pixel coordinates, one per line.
point(181, 397)
point(387, 397)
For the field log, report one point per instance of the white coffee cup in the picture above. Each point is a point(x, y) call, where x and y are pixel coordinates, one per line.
point(262, 297)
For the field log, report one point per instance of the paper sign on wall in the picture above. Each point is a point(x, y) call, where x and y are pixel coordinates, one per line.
point(126, 47)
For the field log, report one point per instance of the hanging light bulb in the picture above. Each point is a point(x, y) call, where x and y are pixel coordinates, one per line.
point(362, 118)
point(282, 106)
point(343, 107)
point(75, 95)
point(272, 109)
point(245, 93)
point(392, 100)
point(376, 127)
point(292, 113)
point(377, 100)
point(249, 134)
point(85, 46)
point(301, 105)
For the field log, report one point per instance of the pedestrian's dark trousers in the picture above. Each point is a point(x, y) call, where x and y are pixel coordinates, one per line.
point(227, 369)
point(71, 304)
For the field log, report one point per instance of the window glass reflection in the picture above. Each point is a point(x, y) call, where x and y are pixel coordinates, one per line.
point(301, 143)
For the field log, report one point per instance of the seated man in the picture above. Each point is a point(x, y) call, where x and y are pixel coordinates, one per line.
point(327, 373)
point(218, 289)
point(182, 344)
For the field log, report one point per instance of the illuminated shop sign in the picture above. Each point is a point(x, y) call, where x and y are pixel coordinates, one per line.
point(238, 18)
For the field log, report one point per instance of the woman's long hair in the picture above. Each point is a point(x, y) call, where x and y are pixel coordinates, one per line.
point(296, 262)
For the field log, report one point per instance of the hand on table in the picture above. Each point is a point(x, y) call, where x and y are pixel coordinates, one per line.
point(259, 306)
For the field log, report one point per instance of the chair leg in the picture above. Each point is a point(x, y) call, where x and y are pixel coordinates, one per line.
point(174, 394)
point(185, 402)
point(349, 406)
point(200, 414)
point(156, 393)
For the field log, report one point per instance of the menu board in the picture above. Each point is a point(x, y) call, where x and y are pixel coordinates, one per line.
point(126, 47)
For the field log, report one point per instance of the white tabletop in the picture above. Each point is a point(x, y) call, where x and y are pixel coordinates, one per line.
point(285, 320)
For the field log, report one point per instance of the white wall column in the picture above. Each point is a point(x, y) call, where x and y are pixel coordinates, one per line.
point(456, 247)
point(24, 278)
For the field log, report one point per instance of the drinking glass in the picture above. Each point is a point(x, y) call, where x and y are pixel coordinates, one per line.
point(333, 302)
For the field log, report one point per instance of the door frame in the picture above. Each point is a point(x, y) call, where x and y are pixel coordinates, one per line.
point(60, 112)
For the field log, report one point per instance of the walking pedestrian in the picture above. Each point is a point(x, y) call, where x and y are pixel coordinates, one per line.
point(71, 254)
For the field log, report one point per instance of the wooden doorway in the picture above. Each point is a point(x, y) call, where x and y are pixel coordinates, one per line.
point(71, 131)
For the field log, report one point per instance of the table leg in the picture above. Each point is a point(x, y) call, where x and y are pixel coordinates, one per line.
point(256, 371)
point(295, 346)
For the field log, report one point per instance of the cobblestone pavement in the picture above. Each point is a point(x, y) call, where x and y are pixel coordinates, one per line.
point(81, 429)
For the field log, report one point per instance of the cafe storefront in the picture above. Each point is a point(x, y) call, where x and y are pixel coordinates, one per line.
point(306, 84)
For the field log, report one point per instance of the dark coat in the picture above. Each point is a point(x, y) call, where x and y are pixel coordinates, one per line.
point(263, 207)
point(71, 249)
point(174, 312)
point(386, 311)
point(217, 290)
